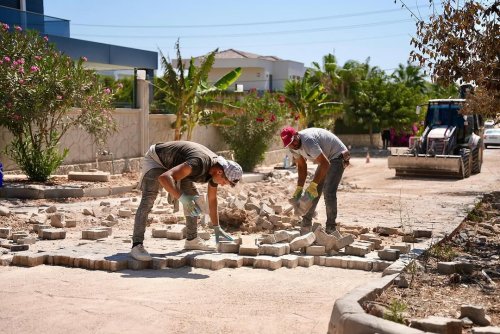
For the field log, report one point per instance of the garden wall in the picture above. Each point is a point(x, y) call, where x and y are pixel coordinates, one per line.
point(137, 130)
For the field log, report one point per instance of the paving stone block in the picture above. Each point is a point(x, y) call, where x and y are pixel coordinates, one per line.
point(275, 219)
point(267, 262)
point(139, 265)
point(70, 223)
point(333, 261)
point(372, 238)
point(273, 250)
point(357, 250)
point(380, 265)
point(302, 241)
point(365, 243)
point(176, 232)
point(6, 260)
point(248, 261)
point(475, 313)
point(26, 241)
point(389, 254)
point(232, 260)
point(28, 260)
point(306, 261)
point(320, 260)
point(41, 227)
point(94, 234)
point(89, 176)
point(117, 262)
point(5, 232)
point(19, 235)
point(404, 248)
point(124, 213)
point(251, 250)
point(176, 261)
point(281, 235)
point(228, 247)
point(209, 261)
point(315, 250)
point(204, 235)
point(268, 239)
point(324, 239)
point(160, 232)
point(342, 242)
point(51, 234)
point(438, 325)
point(57, 220)
point(159, 263)
point(386, 230)
point(446, 268)
point(290, 261)
point(422, 233)
point(359, 264)
point(464, 267)
point(409, 238)
point(486, 330)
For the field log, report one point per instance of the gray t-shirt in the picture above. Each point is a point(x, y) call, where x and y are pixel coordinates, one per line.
point(316, 141)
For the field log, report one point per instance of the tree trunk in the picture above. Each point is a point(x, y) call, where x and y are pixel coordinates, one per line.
point(370, 132)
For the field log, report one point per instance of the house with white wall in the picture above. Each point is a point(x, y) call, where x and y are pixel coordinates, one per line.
point(262, 73)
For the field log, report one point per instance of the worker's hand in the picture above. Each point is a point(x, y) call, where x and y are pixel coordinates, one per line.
point(221, 235)
point(311, 191)
point(189, 205)
point(297, 194)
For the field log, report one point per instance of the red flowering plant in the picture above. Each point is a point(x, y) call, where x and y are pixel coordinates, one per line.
point(254, 128)
point(39, 87)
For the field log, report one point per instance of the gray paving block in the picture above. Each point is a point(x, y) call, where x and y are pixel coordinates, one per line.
point(251, 250)
point(306, 261)
point(389, 254)
point(267, 262)
point(228, 247)
point(290, 261)
point(51, 233)
point(273, 250)
point(315, 250)
point(139, 265)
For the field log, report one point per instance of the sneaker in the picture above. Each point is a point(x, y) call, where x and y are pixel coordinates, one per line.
point(198, 244)
point(140, 253)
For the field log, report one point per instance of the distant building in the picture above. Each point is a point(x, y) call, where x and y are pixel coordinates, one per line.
point(101, 57)
point(262, 73)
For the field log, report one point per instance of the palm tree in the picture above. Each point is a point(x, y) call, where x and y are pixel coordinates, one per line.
point(411, 76)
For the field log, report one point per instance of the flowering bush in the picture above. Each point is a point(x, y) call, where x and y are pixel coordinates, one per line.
point(255, 127)
point(39, 86)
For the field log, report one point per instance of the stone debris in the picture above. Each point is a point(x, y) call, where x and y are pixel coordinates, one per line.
point(438, 325)
point(475, 313)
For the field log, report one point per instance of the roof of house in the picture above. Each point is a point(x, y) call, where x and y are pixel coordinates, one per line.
point(235, 54)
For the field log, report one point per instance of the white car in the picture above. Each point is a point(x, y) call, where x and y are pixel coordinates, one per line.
point(491, 137)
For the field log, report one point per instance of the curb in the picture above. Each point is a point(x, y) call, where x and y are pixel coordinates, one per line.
point(42, 192)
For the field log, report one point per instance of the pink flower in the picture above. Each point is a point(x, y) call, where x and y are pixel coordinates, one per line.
point(1, 61)
point(5, 26)
point(59, 97)
point(120, 85)
point(84, 58)
point(107, 91)
point(38, 57)
point(7, 59)
point(259, 119)
point(18, 28)
point(272, 118)
point(281, 99)
point(21, 81)
point(20, 70)
point(20, 61)
point(46, 38)
point(35, 68)
point(296, 117)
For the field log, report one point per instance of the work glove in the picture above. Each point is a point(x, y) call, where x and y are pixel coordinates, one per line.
point(298, 193)
point(221, 235)
point(189, 205)
point(311, 191)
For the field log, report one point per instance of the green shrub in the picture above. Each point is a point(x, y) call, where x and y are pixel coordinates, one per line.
point(395, 311)
point(39, 86)
point(255, 127)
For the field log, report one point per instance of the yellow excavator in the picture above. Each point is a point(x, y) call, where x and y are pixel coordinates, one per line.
point(450, 146)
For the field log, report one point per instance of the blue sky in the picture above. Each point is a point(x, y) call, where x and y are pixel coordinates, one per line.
point(296, 30)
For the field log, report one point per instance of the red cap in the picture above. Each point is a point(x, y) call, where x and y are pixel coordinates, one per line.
point(287, 135)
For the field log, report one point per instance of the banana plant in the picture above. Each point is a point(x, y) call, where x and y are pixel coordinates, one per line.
point(308, 98)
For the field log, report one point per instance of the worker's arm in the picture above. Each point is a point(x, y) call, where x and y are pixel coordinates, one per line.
point(212, 204)
point(323, 165)
point(168, 179)
point(301, 170)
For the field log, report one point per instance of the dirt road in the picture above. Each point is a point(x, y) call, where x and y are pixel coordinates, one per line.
point(47, 299)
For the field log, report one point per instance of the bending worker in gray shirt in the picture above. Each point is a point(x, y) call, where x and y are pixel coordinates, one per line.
point(332, 157)
point(184, 163)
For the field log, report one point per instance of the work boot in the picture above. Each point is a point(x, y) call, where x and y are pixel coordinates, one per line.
point(140, 253)
point(198, 244)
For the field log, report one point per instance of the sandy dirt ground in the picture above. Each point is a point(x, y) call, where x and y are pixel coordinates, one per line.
point(47, 299)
